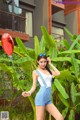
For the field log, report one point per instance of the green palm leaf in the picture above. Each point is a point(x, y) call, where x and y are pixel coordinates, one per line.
point(37, 46)
point(7, 60)
point(23, 59)
point(61, 89)
point(69, 52)
point(78, 46)
point(69, 33)
point(21, 45)
point(77, 94)
point(64, 101)
point(75, 65)
point(42, 45)
point(49, 40)
point(52, 53)
point(72, 114)
point(59, 59)
point(66, 44)
point(32, 102)
point(73, 93)
point(75, 42)
point(64, 112)
point(66, 75)
point(6, 68)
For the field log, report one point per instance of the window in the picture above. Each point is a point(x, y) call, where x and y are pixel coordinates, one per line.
point(28, 24)
point(17, 10)
point(58, 33)
point(20, 19)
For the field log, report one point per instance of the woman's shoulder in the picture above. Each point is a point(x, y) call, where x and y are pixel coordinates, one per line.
point(35, 73)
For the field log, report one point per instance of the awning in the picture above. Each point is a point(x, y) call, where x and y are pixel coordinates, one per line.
point(56, 7)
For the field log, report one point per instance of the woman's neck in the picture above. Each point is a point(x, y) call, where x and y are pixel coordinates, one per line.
point(41, 68)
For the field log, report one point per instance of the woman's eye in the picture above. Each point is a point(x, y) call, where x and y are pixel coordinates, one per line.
point(43, 61)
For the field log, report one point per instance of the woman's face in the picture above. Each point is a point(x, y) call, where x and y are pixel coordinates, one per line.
point(42, 63)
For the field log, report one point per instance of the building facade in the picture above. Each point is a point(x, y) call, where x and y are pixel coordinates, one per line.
point(23, 18)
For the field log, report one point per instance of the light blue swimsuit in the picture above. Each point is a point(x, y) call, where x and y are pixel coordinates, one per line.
point(43, 97)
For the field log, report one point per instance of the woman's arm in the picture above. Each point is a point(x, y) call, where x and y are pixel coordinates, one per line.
point(34, 76)
point(55, 71)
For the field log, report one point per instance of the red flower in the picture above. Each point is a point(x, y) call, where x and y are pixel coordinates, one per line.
point(7, 43)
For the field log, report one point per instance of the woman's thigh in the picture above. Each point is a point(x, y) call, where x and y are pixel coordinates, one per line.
point(51, 108)
point(40, 112)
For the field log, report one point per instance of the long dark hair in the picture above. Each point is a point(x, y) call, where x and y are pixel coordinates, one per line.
point(45, 57)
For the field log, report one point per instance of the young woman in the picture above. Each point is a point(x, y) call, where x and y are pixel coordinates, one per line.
point(43, 98)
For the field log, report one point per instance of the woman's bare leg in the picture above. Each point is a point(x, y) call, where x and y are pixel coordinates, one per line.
point(51, 108)
point(40, 112)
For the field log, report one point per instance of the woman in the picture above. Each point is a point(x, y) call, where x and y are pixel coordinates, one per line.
point(43, 98)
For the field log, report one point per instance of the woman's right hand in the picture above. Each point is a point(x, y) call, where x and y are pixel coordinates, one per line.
point(25, 94)
point(49, 60)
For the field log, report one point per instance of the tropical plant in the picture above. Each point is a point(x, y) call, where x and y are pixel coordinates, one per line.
point(65, 88)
